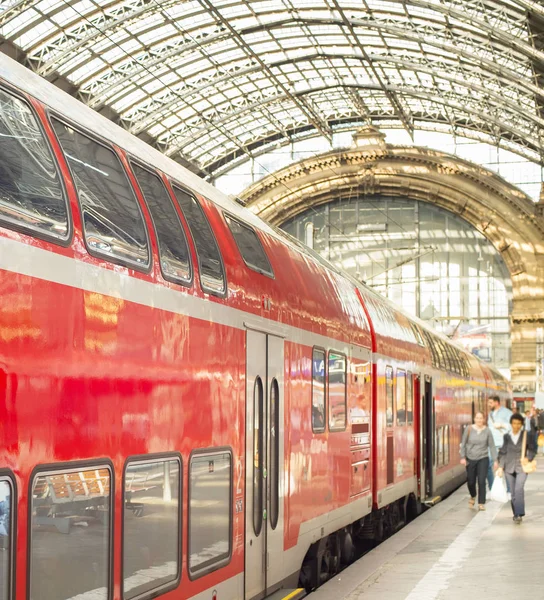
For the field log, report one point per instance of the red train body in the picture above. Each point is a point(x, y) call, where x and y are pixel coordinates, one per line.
point(173, 437)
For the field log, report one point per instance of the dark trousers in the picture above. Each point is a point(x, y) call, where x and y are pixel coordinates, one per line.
point(517, 487)
point(477, 470)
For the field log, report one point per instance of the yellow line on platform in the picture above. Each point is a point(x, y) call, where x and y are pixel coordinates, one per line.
point(293, 594)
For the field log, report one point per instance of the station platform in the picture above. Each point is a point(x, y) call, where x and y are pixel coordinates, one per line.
point(453, 552)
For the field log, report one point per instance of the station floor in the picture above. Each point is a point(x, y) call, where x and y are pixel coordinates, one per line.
point(453, 552)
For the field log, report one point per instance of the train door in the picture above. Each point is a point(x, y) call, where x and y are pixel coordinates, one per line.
point(264, 464)
point(427, 439)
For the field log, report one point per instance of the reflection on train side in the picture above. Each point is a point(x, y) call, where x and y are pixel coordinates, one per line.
point(152, 526)
point(5, 533)
point(70, 524)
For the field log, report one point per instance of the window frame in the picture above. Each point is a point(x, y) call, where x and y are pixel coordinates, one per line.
point(70, 467)
point(135, 162)
point(226, 560)
point(325, 403)
point(173, 184)
point(327, 385)
point(50, 141)
point(227, 216)
point(389, 369)
point(7, 475)
point(109, 145)
point(150, 458)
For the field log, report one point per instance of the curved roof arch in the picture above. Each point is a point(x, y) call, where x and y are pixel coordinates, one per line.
point(208, 81)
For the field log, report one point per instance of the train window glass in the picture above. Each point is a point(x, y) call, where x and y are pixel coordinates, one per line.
point(31, 192)
point(70, 530)
point(401, 397)
point(389, 407)
point(112, 220)
point(6, 538)
point(318, 390)
point(151, 526)
point(173, 247)
point(409, 399)
point(274, 452)
point(210, 492)
point(212, 274)
point(440, 446)
point(250, 246)
point(258, 439)
point(337, 391)
point(417, 334)
point(447, 445)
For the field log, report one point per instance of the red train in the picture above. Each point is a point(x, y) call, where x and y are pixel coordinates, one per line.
point(192, 404)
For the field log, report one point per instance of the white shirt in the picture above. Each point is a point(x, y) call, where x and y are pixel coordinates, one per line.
point(515, 437)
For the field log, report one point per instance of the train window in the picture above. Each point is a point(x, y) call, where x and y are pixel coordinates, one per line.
point(274, 452)
point(389, 407)
point(210, 510)
point(212, 273)
point(6, 538)
point(337, 391)
point(440, 446)
point(446, 445)
point(409, 399)
point(31, 191)
point(250, 246)
point(417, 333)
point(112, 221)
point(173, 247)
point(401, 397)
point(258, 439)
point(318, 390)
point(70, 534)
point(151, 526)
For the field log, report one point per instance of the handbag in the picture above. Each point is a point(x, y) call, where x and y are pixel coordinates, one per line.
point(530, 467)
point(541, 440)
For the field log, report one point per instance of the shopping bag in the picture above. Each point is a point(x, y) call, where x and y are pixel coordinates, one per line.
point(498, 490)
point(540, 440)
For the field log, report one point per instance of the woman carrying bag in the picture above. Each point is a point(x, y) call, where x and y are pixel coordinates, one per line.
point(476, 446)
point(516, 461)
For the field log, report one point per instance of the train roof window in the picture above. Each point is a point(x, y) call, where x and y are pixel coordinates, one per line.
point(32, 195)
point(112, 220)
point(173, 248)
point(250, 246)
point(212, 273)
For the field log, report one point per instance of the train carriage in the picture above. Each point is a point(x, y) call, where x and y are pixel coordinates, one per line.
point(192, 404)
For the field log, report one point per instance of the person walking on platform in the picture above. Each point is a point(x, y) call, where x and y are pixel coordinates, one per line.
point(530, 424)
point(476, 446)
point(540, 426)
point(498, 422)
point(515, 453)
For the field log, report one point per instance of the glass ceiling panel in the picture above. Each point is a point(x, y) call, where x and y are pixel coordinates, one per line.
point(258, 69)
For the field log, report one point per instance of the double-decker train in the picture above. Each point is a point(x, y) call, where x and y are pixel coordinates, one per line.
point(192, 404)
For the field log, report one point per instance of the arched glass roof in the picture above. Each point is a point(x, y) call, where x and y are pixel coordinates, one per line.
point(211, 81)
